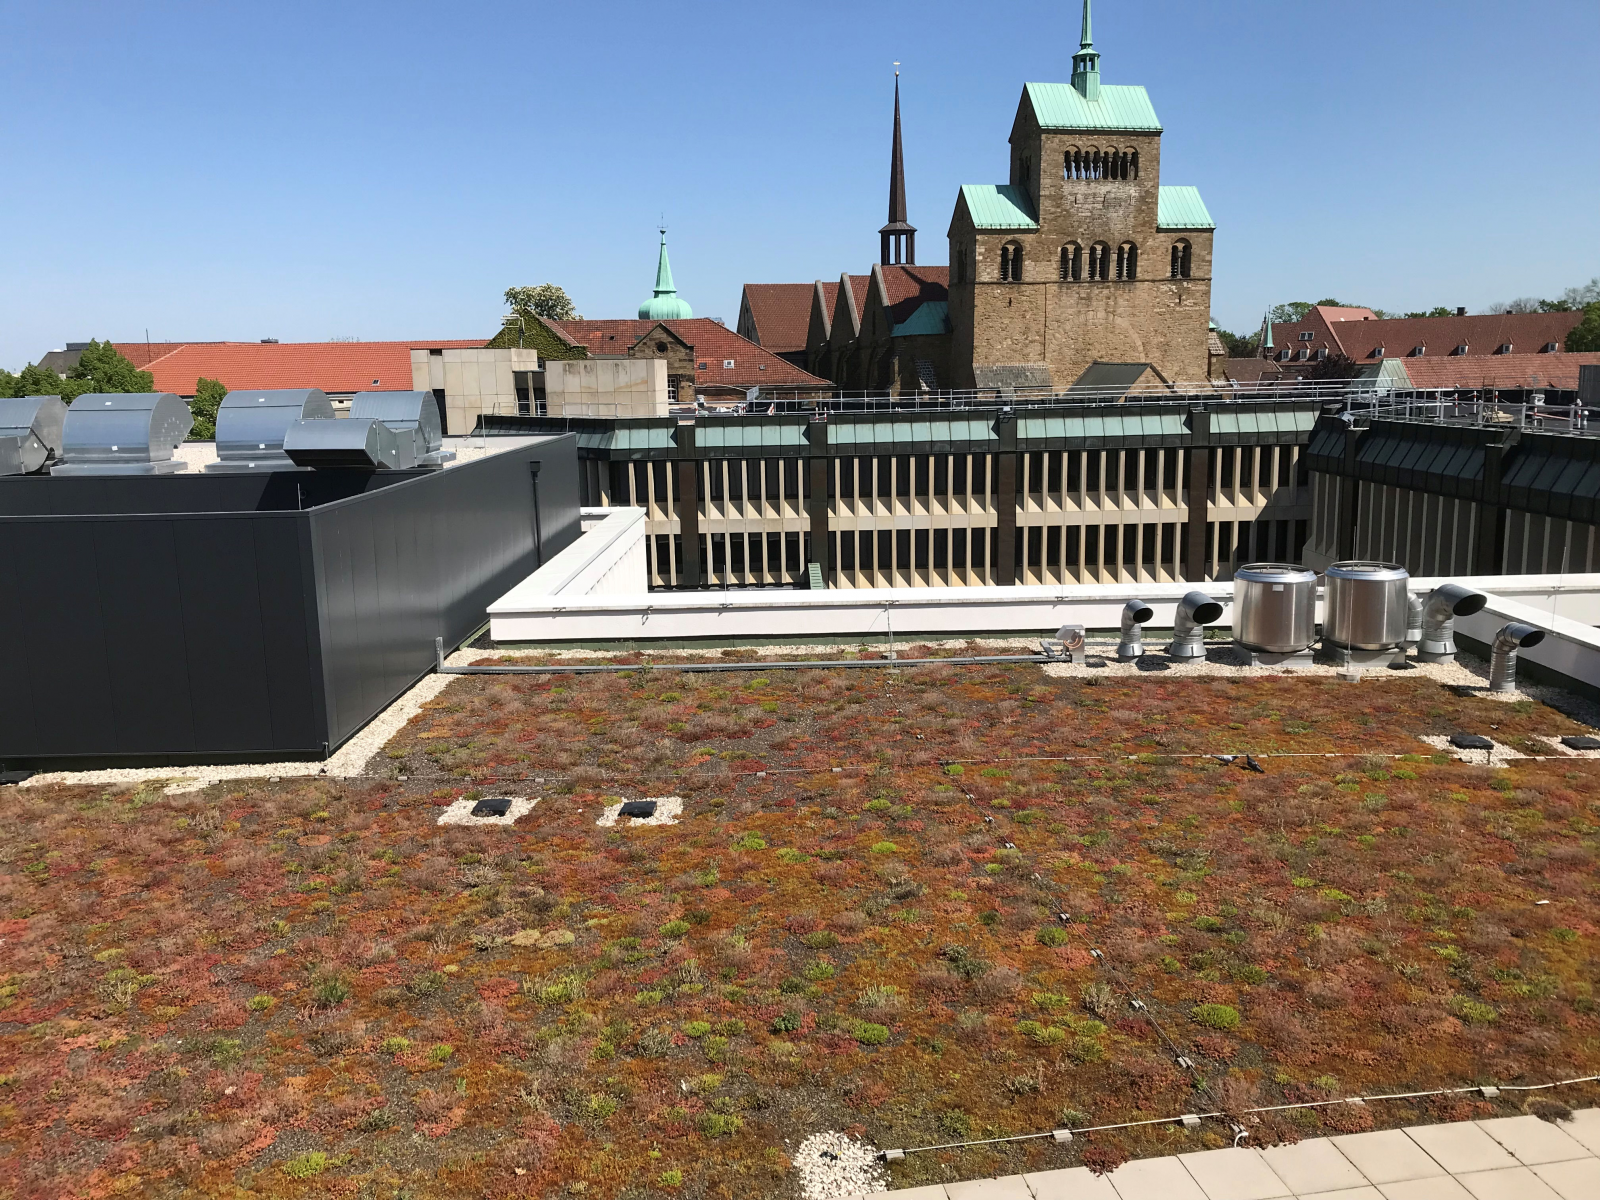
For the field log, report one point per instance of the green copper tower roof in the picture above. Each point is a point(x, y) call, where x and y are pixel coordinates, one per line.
point(1086, 63)
point(665, 304)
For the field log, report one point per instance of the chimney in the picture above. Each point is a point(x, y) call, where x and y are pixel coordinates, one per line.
point(1461, 312)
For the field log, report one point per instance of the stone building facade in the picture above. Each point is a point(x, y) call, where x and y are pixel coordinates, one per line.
point(1082, 256)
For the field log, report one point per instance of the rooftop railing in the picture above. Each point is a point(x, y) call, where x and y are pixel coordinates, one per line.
point(1477, 411)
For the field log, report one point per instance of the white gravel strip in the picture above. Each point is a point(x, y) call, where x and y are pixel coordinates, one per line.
point(460, 812)
point(1500, 756)
point(832, 1166)
point(668, 810)
point(1556, 746)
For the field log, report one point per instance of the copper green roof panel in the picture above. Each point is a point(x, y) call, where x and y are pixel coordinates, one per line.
point(999, 205)
point(648, 437)
point(1117, 107)
point(1181, 208)
point(867, 435)
point(1101, 425)
point(932, 317)
point(1273, 420)
point(735, 434)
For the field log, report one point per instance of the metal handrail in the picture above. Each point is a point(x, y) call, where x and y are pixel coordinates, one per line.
point(1481, 413)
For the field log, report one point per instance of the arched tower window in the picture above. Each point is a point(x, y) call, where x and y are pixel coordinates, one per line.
point(1127, 261)
point(1011, 263)
point(1099, 261)
point(1072, 262)
point(1133, 162)
point(1182, 259)
point(1070, 163)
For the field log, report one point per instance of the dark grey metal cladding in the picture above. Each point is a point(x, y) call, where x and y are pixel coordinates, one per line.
point(35, 421)
point(364, 443)
point(402, 410)
point(247, 627)
point(251, 424)
point(124, 429)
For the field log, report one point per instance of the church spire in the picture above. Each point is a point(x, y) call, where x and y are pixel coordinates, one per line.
point(665, 304)
point(898, 239)
point(1086, 62)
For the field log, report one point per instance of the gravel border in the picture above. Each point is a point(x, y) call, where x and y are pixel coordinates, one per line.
point(668, 810)
point(459, 812)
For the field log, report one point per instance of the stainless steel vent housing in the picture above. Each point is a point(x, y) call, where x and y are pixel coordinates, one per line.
point(35, 423)
point(349, 442)
point(402, 411)
point(252, 423)
point(1274, 607)
point(1364, 605)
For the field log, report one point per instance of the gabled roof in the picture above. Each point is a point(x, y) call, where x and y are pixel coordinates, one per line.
point(1338, 312)
point(1179, 207)
point(999, 206)
point(1119, 378)
point(781, 313)
point(929, 317)
point(905, 288)
point(713, 343)
point(1399, 337)
point(335, 367)
point(1118, 107)
point(1499, 370)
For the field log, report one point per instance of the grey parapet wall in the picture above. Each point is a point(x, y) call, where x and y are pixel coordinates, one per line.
point(170, 620)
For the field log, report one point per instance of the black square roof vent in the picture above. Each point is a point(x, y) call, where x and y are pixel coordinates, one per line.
point(1582, 742)
point(492, 806)
point(1470, 741)
point(639, 808)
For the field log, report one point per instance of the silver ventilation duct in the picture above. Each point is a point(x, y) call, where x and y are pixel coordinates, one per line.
point(417, 412)
point(1414, 619)
point(1437, 642)
point(123, 433)
point(365, 445)
point(1513, 636)
point(1195, 611)
point(33, 424)
point(1365, 606)
point(1134, 614)
point(1274, 608)
point(252, 424)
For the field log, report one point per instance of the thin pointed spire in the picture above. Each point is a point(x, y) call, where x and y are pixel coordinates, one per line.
point(1266, 331)
point(1086, 62)
point(898, 239)
point(1086, 42)
point(665, 304)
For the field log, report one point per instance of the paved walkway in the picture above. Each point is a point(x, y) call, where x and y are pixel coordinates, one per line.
point(1507, 1158)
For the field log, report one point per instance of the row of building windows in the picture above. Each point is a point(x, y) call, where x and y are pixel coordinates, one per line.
point(1094, 163)
point(1096, 262)
point(1042, 553)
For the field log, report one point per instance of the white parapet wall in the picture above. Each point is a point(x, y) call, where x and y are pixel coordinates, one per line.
point(608, 559)
point(606, 387)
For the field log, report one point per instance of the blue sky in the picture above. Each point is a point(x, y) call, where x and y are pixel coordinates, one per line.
point(305, 171)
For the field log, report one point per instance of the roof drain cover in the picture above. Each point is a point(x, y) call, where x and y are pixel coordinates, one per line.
point(1581, 742)
point(638, 808)
point(492, 806)
point(1470, 741)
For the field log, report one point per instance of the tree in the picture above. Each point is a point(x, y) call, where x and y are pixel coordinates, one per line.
point(1437, 311)
point(208, 394)
point(1585, 336)
point(1240, 347)
point(1574, 299)
point(1335, 366)
point(548, 300)
point(107, 371)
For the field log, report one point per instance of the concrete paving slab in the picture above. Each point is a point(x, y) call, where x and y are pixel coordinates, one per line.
point(1073, 1183)
point(1387, 1156)
point(1234, 1174)
point(1155, 1179)
point(1460, 1147)
point(1312, 1167)
point(1439, 1187)
point(1575, 1179)
point(1007, 1187)
point(1508, 1183)
point(933, 1191)
point(1532, 1140)
point(1584, 1127)
point(1361, 1193)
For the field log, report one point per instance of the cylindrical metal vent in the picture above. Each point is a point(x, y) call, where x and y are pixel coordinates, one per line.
point(1365, 605)
point(1134, 614)
point(1195, 611)
point(1512, 637)
point(1444, 605)
point(1274, 607)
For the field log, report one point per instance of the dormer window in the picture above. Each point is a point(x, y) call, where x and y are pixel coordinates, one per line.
point(1303, 355)
point(1549, 348)
point(1283, 355)
point(1307, 336)
point(1377, 352)
point(1418, 351)
point(1322, 354)
point(1459, 350)
point(1504, 348)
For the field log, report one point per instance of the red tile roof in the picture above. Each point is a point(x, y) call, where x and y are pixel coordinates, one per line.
point(1509, 371)
point(908, 288)
point(1399, 336)
point(335, 367)
point(714, 344)
point(782, 314)
point(142, 354)
point(1335, 312)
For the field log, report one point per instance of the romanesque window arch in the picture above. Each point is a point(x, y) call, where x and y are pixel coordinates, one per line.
point(1128, 261)
point(1099, 261)
point(1011, 263)
point(1182, 258)
point(1133, 162)
point(1072, 262)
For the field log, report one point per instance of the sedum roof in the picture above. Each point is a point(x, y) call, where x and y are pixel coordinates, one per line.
point(999, 206)
point(1181, 208)
point(1118, 107)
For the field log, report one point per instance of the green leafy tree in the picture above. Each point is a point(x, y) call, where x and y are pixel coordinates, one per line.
point(107, 371)
point(1335, 366)
point(1585, 336)
point(1437, 311)
point(1240, 346)
point(1296, 310)
point(548, 300)
point(208, 394)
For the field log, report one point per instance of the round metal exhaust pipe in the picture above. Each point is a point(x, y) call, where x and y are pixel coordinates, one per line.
point(1134, 614)
point(1439, 613)
point(1195, 612)
point(1513, 636)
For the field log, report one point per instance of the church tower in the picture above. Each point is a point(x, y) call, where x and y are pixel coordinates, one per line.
point(898, 239)
point(665, 304)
